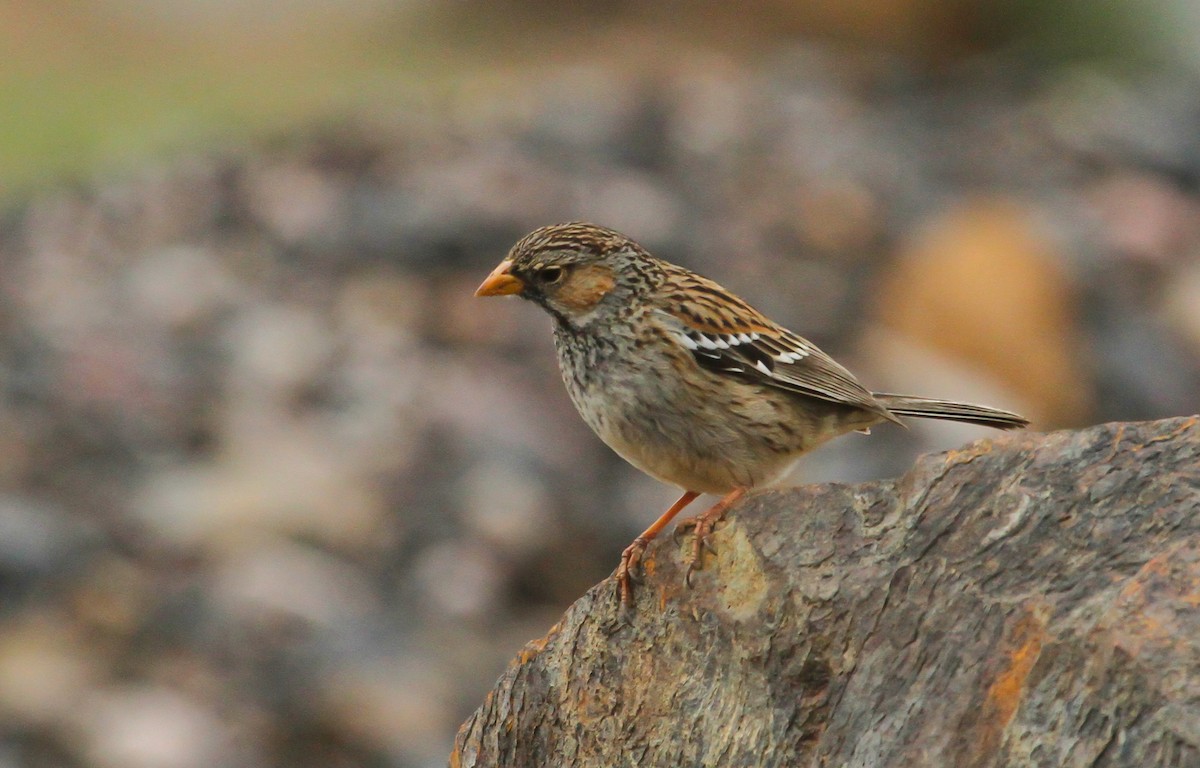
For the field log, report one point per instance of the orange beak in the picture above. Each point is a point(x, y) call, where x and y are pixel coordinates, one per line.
point(501, 282)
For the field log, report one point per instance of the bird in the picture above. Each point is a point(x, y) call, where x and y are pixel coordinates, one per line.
point(688, 382)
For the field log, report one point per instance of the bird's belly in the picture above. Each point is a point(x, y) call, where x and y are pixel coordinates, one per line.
point(706, 474)
point(689, 437)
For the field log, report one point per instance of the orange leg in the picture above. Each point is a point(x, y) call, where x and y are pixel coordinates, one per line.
point(632, 556)
point(703, 524)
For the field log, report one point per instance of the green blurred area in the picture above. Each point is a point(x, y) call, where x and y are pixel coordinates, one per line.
point(93, 85)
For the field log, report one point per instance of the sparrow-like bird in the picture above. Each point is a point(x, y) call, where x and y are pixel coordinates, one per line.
point(685, 380)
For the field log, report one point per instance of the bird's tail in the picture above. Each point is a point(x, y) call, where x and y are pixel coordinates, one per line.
point(924, 408)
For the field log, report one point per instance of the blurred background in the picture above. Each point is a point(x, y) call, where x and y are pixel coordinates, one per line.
point(276, 490)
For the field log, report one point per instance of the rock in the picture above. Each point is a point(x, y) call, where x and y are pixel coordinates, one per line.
point(981, 284)
point(150, 727)
point(45, 667)
point(1025, 601)
point(280, 579)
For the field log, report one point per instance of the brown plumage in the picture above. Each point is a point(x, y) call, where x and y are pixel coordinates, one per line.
point(685, 380)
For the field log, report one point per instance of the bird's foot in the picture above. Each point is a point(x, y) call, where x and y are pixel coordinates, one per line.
point(628, 570)
point(631, 558)
point(702, 526)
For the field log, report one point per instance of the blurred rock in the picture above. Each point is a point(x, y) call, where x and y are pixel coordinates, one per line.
point(631, 201)
point(1183, 304)
point(276, 477)
point(981, 284)
point(390, 706)
point(276, 578)
point(37, 538)
point(180, 285)
point(147, 727)
point(278, 349)
point(112, 597)
point(46, 668)
point(1144, 217)
point(295, 200)
point(508, 508)
point(1143, 368)
point(461, 580)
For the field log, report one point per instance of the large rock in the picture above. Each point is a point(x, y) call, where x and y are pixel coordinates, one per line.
point(1032, 600)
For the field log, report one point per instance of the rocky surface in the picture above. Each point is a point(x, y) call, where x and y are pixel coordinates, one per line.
point(1023, 602)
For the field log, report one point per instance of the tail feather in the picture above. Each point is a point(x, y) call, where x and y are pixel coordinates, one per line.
point(925, 408)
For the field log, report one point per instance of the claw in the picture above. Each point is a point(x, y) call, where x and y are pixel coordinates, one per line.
point(631, 558)
point(700, 545)
point(677, 534)
point(619, 619)
point(629, 570)
point(624, 617)
point(624, 592)
point(703, 525)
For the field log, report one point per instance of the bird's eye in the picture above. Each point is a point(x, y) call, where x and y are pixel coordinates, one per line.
point(549, 275)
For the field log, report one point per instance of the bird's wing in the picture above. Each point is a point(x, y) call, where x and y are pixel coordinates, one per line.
point(728, 336)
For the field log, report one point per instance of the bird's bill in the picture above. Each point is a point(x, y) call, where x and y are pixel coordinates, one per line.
point(501, 282)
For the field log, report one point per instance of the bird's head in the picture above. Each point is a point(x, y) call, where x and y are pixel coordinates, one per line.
point(568, 269)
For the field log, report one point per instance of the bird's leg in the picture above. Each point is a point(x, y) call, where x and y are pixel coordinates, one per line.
point(703, 525)
point(631, 558)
